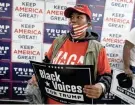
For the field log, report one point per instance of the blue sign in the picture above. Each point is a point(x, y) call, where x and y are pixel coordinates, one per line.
point(5, 50)
point(97, 16)
point(133, 21)
point(4, 70)
point(92, 2)
point(5, 8)
point(97, 8)
point(5, 29)
point(4, 90)
point(18, 91)
point(98, 31)
point(21, 71)
point(52, 31)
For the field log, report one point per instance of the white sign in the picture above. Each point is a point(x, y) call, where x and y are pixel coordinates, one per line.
point(22, 52)
point(32, 10)
point(54, 11)
point(27, 31)
point(115, 59)
point(113, 41)
point(46, 48)
point(121, 5)
point(117, 20)
point(113, 37)
point(127, 95)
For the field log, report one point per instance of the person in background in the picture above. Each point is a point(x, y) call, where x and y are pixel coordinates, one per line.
point(129, 53)
point(81, 42)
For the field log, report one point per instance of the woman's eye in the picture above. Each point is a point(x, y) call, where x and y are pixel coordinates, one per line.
point(72, 17)
point(79, 17)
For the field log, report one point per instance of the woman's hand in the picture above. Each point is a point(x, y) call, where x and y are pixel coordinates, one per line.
point(93, 91)
point(129, 73)
point(33, 81)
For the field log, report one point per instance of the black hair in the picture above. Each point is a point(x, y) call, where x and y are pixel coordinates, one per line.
point(88, 18)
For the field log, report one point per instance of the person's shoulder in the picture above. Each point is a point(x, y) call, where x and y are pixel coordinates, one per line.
point(61, 37)
point(97, 42)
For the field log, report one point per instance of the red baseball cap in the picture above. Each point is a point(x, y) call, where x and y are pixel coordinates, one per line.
point(82, 8)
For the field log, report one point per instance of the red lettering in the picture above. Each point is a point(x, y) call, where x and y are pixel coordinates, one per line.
point(116, 60)
point(114, 40)
point(31, 10)
point(27, 31)
point(54, 12)
point(117, 20)
point(27, 52)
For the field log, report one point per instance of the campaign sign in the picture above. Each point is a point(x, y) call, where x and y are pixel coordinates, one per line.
point(52, 31)
point(4, 89)
point(46, 48)
point(4, 50)
point(113, 39)
point(5, 8)
point(32, 10)
point(126, 94)
point(5, 29)
point(64, 83)
point(18, 91)
point(115, 59)
point(54, 11)
point(4, 70)
point(120, 20)
point(97, 15)
point(121, 5)
point(24, 52)
point(97, 8)
point(21, 71)
point(28, 31)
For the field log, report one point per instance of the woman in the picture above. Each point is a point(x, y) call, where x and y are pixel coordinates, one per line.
point(74, 50)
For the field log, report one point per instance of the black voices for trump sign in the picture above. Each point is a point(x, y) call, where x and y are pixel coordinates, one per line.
point(64, 83)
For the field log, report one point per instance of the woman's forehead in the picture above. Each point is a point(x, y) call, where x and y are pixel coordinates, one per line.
point(77, 13)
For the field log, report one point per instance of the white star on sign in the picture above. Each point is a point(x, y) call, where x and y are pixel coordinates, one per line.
point(47, 84)
point(5, 30)
point(5, 8)
point(4, 72)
